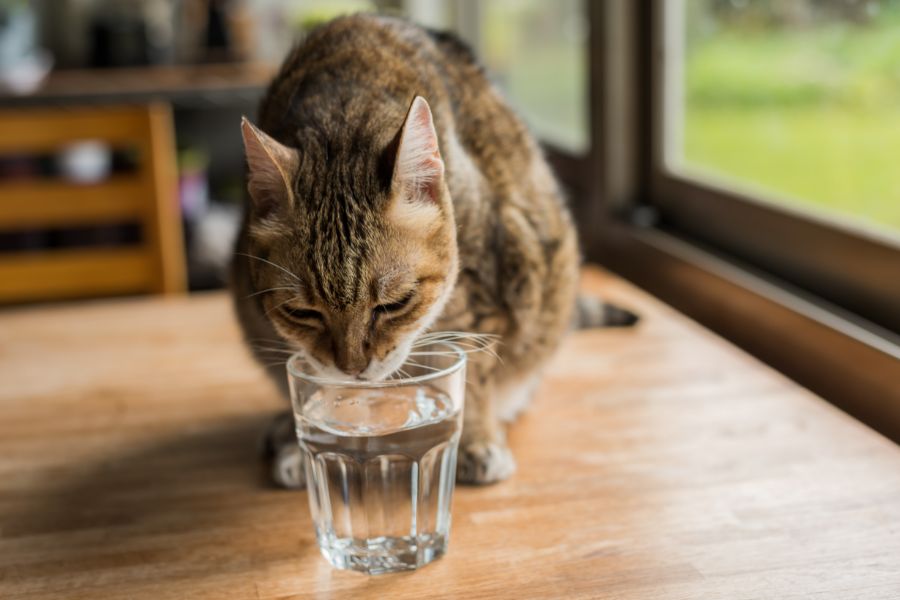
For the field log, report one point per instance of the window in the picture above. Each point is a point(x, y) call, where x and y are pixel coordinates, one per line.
point(536, 52)
point(795, 102)
point(536, 49)
point(697, 106)
point(774, 127)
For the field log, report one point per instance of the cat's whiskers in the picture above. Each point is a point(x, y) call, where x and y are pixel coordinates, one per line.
point(456, 338)
point(477, 343)
point(419, 365)
point(428, 367)
point(461, 338)
point(268, 262)
point(468, 344)
point(280, 304)
point(461, 334)
point(399, 374)
point(271, 289)
point(277, 363)
point(285, 351)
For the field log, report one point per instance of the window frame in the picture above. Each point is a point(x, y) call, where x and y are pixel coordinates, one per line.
point(681, 239)
point(847, 266)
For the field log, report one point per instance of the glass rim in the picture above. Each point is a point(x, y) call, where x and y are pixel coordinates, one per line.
point(455, 366)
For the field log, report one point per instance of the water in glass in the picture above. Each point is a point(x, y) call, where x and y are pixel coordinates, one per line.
point(380, 468)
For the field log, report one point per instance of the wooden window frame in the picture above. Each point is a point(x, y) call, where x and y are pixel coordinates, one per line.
point(834, 329)
point(853, 268)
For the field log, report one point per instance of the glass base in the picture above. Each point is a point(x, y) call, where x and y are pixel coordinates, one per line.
point(382, 554)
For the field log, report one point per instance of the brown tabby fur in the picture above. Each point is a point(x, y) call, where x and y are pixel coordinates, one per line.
point(502, 245)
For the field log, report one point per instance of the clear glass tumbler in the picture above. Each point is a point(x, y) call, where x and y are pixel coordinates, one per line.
point(380, 459)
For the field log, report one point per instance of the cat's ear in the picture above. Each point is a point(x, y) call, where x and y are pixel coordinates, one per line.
point(418, 168)
point(270, 165)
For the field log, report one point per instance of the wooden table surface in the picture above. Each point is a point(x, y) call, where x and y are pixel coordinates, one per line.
point(658, 462)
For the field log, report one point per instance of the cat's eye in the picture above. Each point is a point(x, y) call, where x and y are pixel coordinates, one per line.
point(306, 315)
point(395, 307)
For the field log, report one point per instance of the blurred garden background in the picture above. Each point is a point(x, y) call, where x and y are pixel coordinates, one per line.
point(796, 99)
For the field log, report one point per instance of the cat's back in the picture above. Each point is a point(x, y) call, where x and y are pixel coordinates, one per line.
point(351, 63)
point(367, 67)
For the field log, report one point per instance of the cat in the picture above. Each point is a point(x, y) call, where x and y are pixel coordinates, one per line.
point(392, 192)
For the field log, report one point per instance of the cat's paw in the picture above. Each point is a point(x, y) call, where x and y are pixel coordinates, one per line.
point(280, 447)
point(484, 462)
point(287, 467)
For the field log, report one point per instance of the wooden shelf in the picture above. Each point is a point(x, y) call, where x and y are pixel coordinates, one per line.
point(180, 85)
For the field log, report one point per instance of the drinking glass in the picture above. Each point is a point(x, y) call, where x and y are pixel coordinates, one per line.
point(380, 459)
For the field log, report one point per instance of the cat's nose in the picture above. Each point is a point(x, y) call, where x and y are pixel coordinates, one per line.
point(350, 353)
point(352, 366)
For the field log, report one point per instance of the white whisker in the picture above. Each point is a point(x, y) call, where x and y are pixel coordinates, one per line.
point(418, 365)
point(274, 350)
point(399, 374)
point(456, 336)
point(467, 342)
point(465, 349)
point(460, 335)
point(280, 304)
point(271, 289)
point(268, 262)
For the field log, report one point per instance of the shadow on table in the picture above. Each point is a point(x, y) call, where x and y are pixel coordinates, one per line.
point(197, 501)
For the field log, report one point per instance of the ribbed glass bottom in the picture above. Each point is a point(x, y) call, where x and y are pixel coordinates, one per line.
point(382, 554)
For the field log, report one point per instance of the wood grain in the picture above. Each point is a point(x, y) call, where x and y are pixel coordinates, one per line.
point(657, 462)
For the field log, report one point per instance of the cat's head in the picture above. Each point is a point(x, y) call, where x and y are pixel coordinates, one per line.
point(354, 254)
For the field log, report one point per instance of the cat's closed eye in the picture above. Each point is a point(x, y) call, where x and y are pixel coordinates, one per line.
point(394, 307)
point(306, 316)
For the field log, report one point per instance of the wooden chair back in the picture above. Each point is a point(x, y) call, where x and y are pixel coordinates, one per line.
point(146, 196)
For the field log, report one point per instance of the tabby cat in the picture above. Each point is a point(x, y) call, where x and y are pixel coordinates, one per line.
point(392, 192)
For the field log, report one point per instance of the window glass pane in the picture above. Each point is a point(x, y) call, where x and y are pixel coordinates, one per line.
point(796, 101)
point(536, 49)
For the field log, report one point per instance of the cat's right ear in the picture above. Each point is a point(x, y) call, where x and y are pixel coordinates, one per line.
point(271, 166)
point(418, 168)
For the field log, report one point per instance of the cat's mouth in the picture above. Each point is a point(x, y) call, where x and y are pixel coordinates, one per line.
point(379, 370)
point(375, 371)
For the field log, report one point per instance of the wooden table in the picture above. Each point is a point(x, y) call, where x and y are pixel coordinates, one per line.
point(658, 462)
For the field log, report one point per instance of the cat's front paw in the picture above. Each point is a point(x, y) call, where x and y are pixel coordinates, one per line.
point(484, 462)
point(280, 447)
point(287, 467)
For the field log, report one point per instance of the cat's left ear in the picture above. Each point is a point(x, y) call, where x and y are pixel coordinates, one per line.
point(418, 169)
point(271, 166)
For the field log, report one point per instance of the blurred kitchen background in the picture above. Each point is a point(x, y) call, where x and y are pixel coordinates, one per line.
point(794, 101)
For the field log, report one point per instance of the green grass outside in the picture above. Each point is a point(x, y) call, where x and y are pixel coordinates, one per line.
point(844, 161)
point(813, 115)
